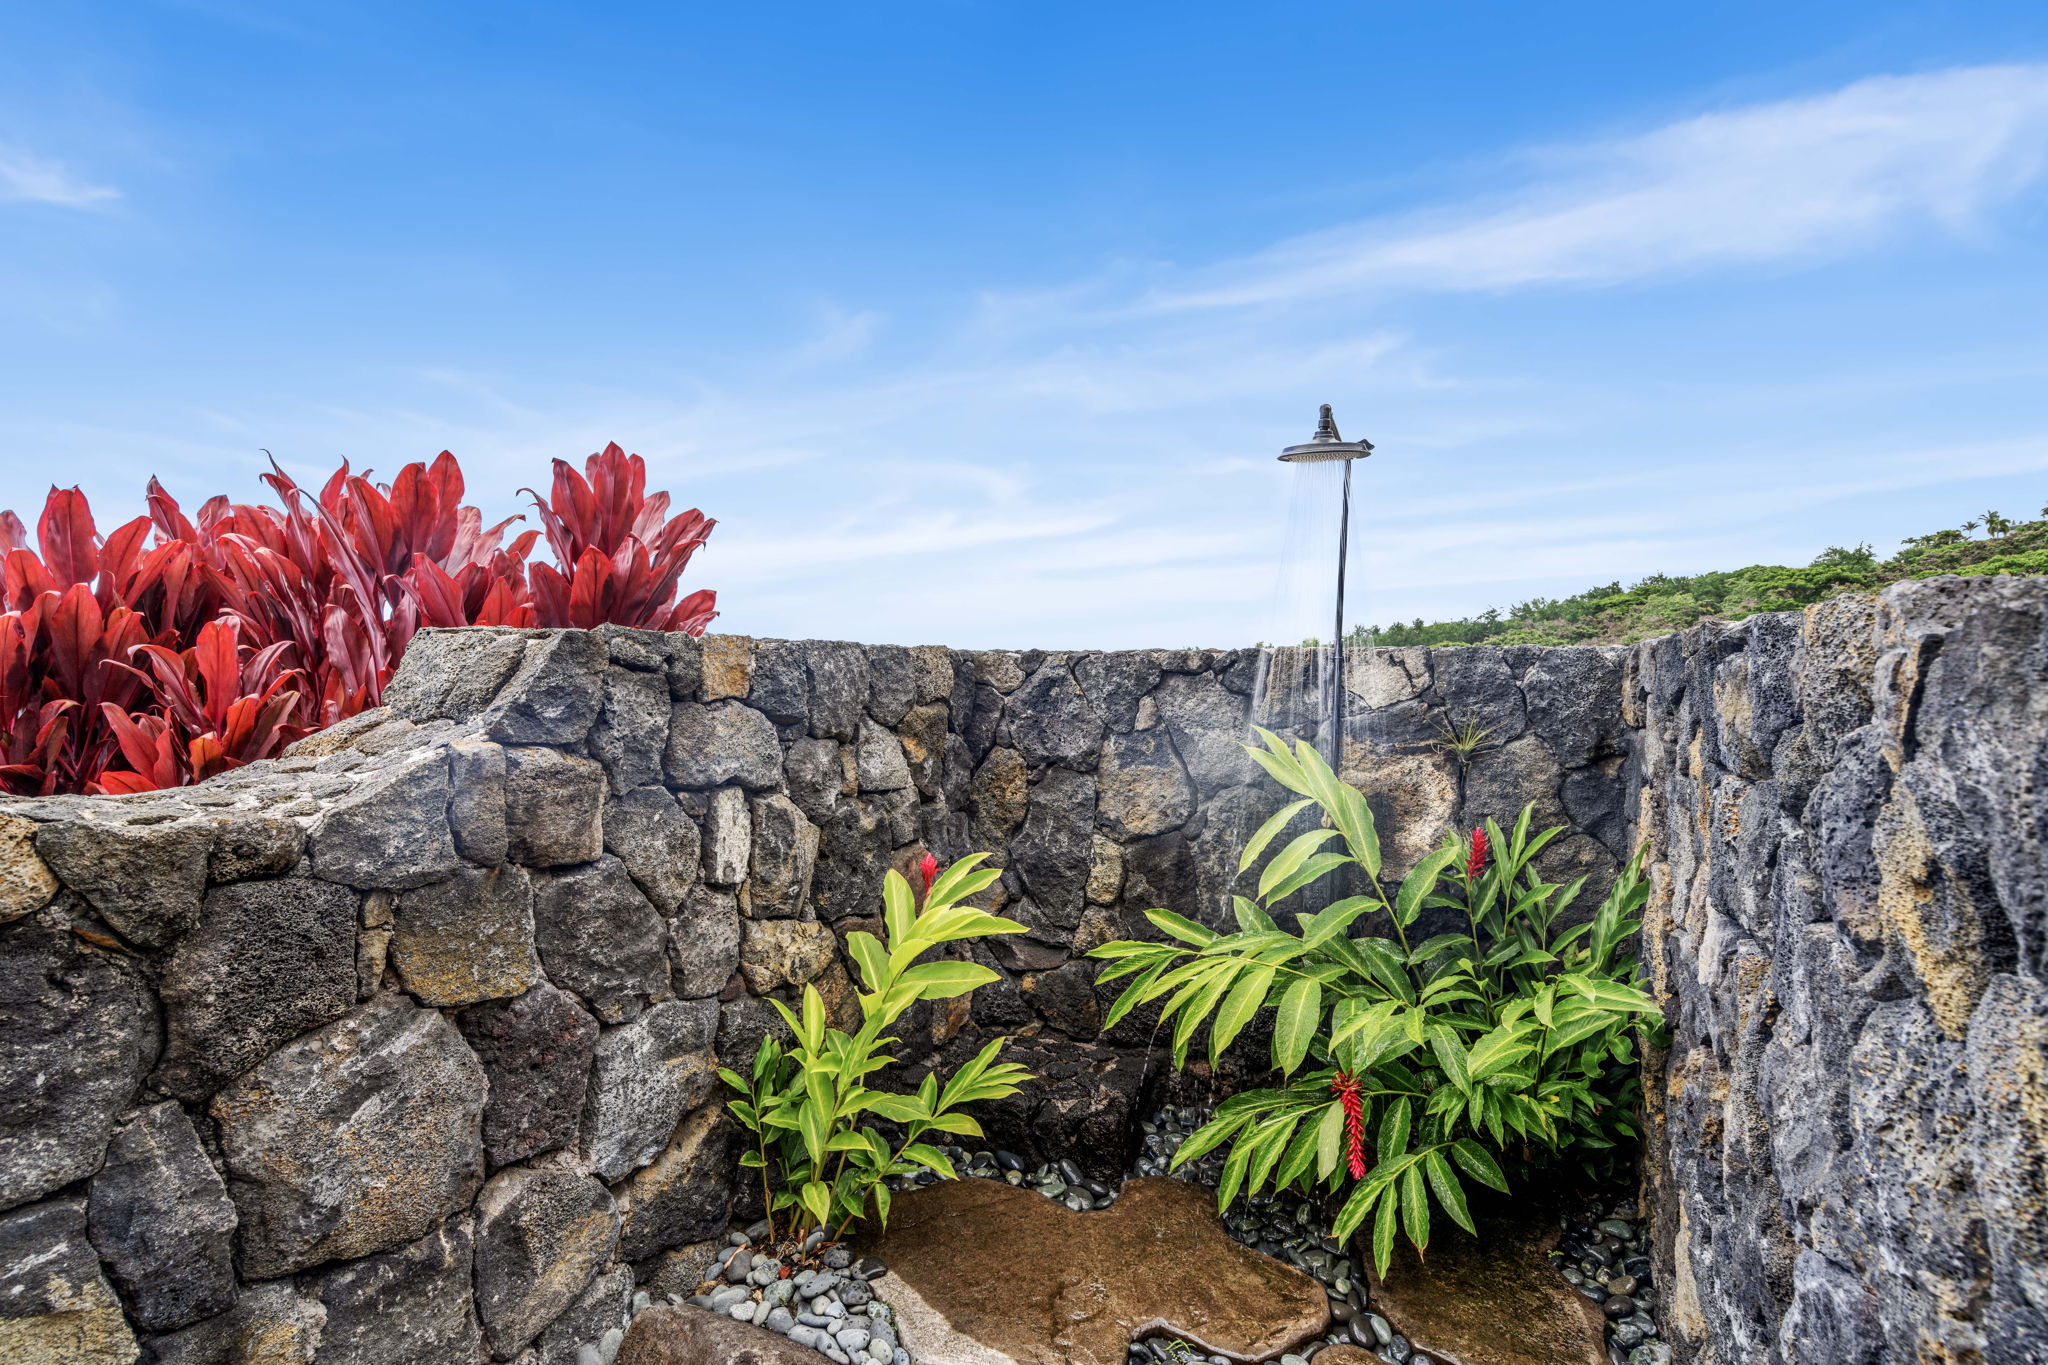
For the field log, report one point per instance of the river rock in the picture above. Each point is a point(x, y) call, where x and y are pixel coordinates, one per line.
point(657, 841)
point(982, 1271)
point(467, 939)
point(413, 1303)
point(646, 1075)
point(685, 1194)
point(142, 872)
point(540, 1237)
point(392, 831)
point(599, 937)
point(161, 1221)
point(55, 1307)
point(537, 1050)
point(355, 1139)
point(688, 1335)
point(1494, 1300)
point(78, 1032)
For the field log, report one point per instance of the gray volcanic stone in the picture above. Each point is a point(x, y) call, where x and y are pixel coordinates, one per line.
point(924, 736)
point(647, 1075)
point(816, 776)
point(728, 838)
point(853, 853)
point(144, 878)
point(743, 1023)
point(704, 942)
point(536, 1050)
point(1050, 720)
point(476, 807)
point(630, 647)
point(878, 760)
point(268, 961)
point(161, 1221)
point(931, 672)
point(1476, 685)
point(600, 938)
point(554, 806)
point(26, 882)
point(686, 1194)
point(777, 953)
point(685, 665)
point(785, 853)
point(1142, 788)
point(410, 1304)
point(601, 1308)
point(1574, 703)
point(1499, 781)
point(719, 742)
point(255, 844)
point(554, 695)
point(1208, 728)
point(892, 683)
point(271, 1323)
point(78, 1032)
point(540, 1237)
point(1114, 683)
point(780, 687)
point(1056, 848)
point(392, 831)
point(999, 798)
point(657, 841)
point(55, 1308)
point(355, 1139)
point(467, 939)
point(839, 687)
point(453, 673)
point(632, 729)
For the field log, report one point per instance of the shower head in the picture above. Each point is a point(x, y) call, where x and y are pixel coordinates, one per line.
point(1326, 444)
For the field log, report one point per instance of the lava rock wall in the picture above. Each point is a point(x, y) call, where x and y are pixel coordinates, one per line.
point(1848, 813)
point(401, 1047)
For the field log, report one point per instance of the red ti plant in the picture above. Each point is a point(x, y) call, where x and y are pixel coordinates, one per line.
point(182, 646)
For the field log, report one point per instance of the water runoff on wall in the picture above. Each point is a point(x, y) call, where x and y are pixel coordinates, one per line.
point(1294, 690)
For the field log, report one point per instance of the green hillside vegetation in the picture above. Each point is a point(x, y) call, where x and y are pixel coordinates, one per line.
point(1663, 603)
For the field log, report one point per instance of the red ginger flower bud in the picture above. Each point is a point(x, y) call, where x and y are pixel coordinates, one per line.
point(1346, 1087)
point(927, 873)
point(1475, 862)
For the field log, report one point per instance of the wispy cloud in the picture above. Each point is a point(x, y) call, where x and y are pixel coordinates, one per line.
point(1796, 178)
point(39, 180)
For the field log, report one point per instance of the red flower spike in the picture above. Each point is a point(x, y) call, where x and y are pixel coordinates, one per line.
point(1475, 862)
point(1345, 1086)
point(927, 873)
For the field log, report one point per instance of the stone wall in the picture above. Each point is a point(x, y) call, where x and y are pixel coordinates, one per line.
point(400, 1047)
point(1849, 811)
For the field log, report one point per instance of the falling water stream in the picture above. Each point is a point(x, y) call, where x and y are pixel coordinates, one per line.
point(1294, 689)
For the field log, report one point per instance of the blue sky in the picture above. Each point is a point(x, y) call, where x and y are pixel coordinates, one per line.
point(980, 324)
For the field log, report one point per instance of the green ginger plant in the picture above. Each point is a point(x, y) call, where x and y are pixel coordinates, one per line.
point(1507, 1037)
point(804, 1103)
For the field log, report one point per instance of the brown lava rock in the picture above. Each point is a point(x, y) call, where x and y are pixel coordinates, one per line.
point(1496, 1300)
point(686, 1335)
point(982, 1271)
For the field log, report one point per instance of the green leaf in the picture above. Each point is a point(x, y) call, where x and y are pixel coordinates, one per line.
point(1330, 1141)
point(1250, 918)
point(1209, 1136)
point(1134, 995)
point(867, 952)
point(899, 907)
point(1314, 870)
point(1394, 1130)
point(1269, 831)
point(1383, 1229)
point(1339, 917)
point(1186, 930)
point(1300, 1153)
point(927, 1155)
point(1354, 1212)
point(1415, 1207)
point(1300, 1014)
point(947, 886)
point(817, 1201)
point(1476, 1162)
point(1243, 1002)
point(1443, 1182)
point(896, 1108)
point(1289, 860)
point(946, 979)
point(1419, 882)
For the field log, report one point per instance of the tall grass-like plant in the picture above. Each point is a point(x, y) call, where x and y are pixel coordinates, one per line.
point(804, 1103)
point(1408, 1068)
